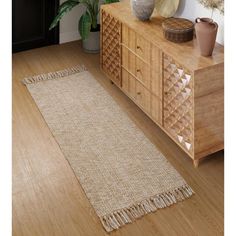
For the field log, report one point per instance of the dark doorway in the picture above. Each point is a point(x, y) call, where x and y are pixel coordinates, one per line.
point(30, 23)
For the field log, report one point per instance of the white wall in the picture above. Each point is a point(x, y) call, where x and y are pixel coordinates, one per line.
point(69, 24)
point(191, 9)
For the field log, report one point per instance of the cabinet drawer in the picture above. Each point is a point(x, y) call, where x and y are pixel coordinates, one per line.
point(128, 37)
point(128, 60)
point(156, 109)
point(143, 48)
point(143, 72)
point(128, 83)
point(136, 67)
point(136, 43)
point(143, 97)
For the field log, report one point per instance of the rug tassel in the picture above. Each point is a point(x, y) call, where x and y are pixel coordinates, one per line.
point(127, 215)
point(54, 75)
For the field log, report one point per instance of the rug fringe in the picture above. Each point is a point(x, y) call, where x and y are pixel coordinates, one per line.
point(54, 75)
point(124, 216)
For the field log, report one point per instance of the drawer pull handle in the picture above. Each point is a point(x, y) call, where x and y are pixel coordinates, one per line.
point(138, 47)
point(139, 71)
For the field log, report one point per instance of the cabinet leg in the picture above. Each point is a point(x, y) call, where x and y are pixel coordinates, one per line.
point(196, 163)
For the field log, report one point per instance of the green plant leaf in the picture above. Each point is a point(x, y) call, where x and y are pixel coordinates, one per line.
point(85, 24)
point(110, 1)
point(95, 14)
point(63, 9)
point(92, 9)
point(89, 6)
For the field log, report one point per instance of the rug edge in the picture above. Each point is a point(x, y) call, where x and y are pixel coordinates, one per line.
point(54, 75)
point(121, 217)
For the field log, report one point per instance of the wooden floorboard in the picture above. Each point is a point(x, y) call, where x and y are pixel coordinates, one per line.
point(47, 197)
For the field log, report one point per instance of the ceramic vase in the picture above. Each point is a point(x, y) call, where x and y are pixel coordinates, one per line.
point(142, 9)
point(206, 31)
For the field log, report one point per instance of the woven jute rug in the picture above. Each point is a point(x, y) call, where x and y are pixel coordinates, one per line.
point(122, 173)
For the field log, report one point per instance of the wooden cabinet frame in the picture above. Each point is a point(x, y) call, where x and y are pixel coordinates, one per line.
point(177, 88)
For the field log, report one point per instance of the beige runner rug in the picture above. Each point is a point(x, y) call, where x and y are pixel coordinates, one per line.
point(122, 173)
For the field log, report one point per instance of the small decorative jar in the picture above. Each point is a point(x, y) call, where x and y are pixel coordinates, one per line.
point(142, 9)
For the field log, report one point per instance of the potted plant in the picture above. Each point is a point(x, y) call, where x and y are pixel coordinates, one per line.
point(213, 4)
point(88, 23)
point(206, 28)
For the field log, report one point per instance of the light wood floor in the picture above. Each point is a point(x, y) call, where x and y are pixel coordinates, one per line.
point(48, 199)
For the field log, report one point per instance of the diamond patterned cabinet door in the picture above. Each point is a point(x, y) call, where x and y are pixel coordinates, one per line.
point(178, 103)
point(111, 49)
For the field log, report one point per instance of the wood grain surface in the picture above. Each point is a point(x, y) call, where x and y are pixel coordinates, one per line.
point(47, 197)
point(179, 89)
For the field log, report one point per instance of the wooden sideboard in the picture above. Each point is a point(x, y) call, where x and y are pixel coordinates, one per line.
point(178, 89)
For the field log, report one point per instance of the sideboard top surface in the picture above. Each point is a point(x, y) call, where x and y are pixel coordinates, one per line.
point(185, 53)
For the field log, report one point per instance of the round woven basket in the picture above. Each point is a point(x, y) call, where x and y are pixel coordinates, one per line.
point(178, 30)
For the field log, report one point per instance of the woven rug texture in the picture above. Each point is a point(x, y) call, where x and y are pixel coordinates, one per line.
point(122, 173)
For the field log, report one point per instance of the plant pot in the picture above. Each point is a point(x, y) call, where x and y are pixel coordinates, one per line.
point(92, 43)
point(206, 31)
point(142, 9)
